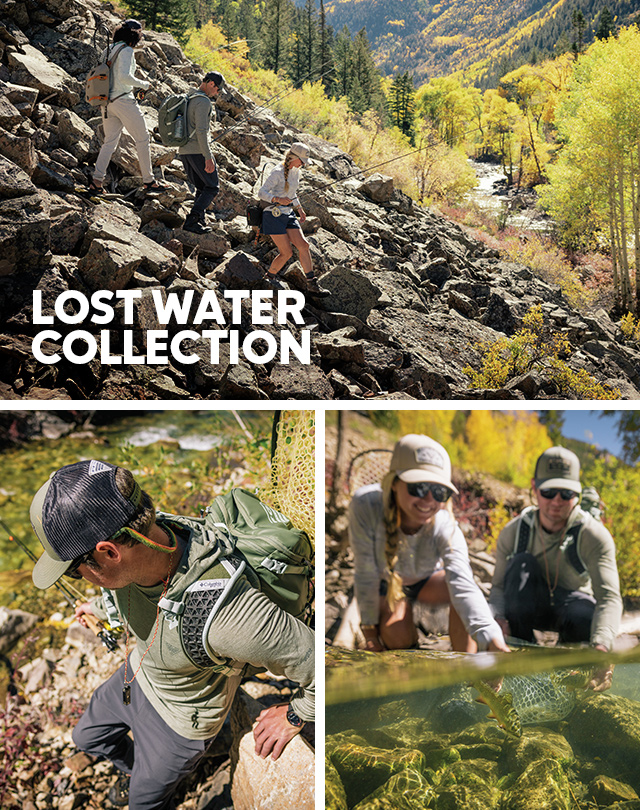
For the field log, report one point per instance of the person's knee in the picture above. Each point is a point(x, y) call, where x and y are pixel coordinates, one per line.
point(285, 252)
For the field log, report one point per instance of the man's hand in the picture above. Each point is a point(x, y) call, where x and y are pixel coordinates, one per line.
point(302, 215)
point(601, 678)
point(81, 609)
point(273, 731)
point(498, 644)
point(209, 165)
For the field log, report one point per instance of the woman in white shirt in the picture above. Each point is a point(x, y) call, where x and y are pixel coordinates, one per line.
point(281, 224)
point(123, 110)
point(408, 546)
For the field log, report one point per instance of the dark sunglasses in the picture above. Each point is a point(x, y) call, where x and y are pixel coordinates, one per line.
point(421, 489)
point(565, 494)
point(72, 570)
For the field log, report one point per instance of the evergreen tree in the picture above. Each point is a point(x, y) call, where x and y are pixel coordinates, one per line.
point(173, 16)
point(325, 35)
point(247, 26)
point(274, 33)
point(310, 41)
point(606, 28)
point(402, 104)
point(342, 59)
point(365, 92)
point(579, 24)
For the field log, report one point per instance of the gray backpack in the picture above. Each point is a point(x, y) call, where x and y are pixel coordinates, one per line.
point(98, 82)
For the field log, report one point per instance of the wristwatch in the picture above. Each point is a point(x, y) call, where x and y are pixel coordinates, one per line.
point(293, 718)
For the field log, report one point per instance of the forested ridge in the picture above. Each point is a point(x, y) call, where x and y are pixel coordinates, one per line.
point(435, 39)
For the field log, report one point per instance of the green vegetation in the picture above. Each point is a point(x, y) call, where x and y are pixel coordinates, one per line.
point(567, 125)
point(535, 346)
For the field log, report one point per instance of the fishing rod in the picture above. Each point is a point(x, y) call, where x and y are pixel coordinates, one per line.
point(360, 172)
point(422, 148)
point(73, 597)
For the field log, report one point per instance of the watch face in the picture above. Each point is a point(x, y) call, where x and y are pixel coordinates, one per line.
point(293, 718)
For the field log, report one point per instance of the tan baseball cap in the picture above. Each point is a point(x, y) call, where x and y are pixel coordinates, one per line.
point(558, 468)
point(300, 150)
point(418, 458)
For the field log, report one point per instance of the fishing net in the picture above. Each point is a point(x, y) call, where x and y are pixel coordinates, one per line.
point(292, 489)
point(368, 467)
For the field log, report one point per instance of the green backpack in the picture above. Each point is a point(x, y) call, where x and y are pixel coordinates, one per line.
point(250, 538)
point(173, 121)
point(255, 540)
point(279, 554)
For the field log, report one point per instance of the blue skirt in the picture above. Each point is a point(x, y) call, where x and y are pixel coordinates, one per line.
point(278, 225)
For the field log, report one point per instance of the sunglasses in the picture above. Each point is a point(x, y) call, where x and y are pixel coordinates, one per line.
point(421, 489)
point(72, 570)
point(565, 494)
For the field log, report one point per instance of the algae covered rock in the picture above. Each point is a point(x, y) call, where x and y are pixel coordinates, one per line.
point(407, 790)
point(395, 710)
point(543, 786)
point(408, 733)
point(535, 744)
point(608, 726)
point(605, 791)
point(363, 769)
point(335, 796)
point(462, 789)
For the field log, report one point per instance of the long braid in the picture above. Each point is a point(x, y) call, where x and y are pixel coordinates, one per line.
point(287, 166)
point(391, 517)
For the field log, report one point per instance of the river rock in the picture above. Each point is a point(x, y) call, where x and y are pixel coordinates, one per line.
point(542, 785)
point(13, 625)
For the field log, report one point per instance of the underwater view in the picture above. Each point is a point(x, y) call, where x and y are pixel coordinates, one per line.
point(450, 731)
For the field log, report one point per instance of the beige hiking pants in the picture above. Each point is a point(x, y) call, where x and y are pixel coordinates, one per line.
point(124, 112)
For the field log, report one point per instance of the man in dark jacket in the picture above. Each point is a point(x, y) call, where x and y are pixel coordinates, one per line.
point(196, 155)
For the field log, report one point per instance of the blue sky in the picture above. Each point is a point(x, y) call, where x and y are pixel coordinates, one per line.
point(590, 426)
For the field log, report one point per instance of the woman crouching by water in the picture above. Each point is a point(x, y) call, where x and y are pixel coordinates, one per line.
point(281, 224)
point(408, 547)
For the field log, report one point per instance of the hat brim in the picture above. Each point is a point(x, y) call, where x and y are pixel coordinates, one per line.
point(47, 571)
point(426, 477)
point(559, 483)
point(49, 568)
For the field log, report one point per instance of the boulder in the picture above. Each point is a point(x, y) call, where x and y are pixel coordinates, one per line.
point(109, 265)
point(32, 68)
point(379, 187)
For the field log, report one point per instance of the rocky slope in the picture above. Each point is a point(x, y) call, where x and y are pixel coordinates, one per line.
point(43, 770)
point(412, 295)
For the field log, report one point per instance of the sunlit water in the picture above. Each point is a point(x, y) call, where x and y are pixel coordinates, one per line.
point(490, 196)
point(405, 730)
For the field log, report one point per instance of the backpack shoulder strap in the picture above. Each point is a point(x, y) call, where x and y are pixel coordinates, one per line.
point(570, 548)
point(523, 532)
point(202, 602)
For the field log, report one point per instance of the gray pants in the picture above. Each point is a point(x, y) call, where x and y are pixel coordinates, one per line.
point(157, 757)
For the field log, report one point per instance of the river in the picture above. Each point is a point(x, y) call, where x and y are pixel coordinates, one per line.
point(492, 195)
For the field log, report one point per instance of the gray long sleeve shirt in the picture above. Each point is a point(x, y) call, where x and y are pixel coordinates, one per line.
point(597, 551)
point(419, 555)
point(199, 112)
point(248, 629)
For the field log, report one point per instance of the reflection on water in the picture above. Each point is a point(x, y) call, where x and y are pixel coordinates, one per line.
point(537, 740)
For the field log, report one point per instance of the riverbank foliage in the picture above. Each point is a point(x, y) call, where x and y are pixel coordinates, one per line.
point(535, 347)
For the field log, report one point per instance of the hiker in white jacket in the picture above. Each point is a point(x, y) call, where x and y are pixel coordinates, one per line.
point(123, 110)
point(408, 547)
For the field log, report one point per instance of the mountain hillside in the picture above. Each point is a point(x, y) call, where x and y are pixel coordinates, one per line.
point(435, 39)
point(414, 300)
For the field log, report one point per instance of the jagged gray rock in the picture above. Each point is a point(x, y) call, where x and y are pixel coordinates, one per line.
point(413, 296)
